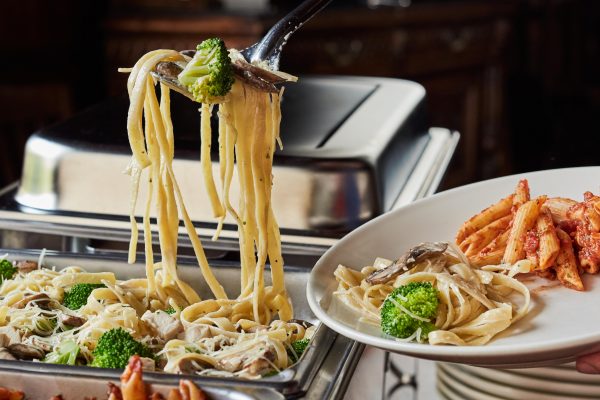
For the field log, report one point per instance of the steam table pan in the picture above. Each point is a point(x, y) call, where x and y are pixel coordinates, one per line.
point(327, 355)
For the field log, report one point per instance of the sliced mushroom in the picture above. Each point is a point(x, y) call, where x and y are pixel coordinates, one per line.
point(253, 80)
point(168, 69)
point(5, 354)
point(41, 299)
point(261, 73)
point(72, 320)
point(26, 352)
point(26, 266)
point(413, 256)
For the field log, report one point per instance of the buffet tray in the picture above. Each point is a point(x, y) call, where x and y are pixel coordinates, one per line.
point(40, 385)
point(326, 348)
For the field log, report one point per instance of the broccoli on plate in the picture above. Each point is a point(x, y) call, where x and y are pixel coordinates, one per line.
point(209, 75)
point(409, 311)
point(115, 347)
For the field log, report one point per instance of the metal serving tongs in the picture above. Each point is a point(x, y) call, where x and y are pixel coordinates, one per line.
point(257, 65)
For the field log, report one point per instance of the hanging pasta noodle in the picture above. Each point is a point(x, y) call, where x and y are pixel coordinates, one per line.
point(474, 305)
point(248, 133)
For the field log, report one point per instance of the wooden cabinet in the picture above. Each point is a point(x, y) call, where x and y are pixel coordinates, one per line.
point(457, 50)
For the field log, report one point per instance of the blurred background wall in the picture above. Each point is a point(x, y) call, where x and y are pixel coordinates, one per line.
point(519, 79)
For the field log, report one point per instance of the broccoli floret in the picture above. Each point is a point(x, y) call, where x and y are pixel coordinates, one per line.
point(297, 349)
point(420, 299)
point(65, 353)
point(209, 75)
point(7, 270)
point(115, 347)
point(77, 296)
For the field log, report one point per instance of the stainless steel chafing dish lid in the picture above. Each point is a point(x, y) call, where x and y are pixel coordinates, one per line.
point(350, 145)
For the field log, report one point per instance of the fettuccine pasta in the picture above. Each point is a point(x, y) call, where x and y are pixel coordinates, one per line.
point(474, 304)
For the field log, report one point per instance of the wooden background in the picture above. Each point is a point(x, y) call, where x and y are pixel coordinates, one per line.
point(518, 79)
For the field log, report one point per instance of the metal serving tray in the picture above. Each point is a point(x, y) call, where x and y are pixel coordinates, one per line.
point(326, 350)
point(71, 386)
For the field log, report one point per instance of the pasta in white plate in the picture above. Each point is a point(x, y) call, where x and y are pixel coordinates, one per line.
point(472, 306)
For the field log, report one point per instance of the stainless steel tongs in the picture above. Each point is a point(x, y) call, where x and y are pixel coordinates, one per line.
point(261, 60)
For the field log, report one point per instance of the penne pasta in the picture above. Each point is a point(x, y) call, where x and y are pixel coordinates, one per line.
point(566, 263)
point(531, 232)
point(485, 217)
point(549, 245)
point(492, 257)
point(525, 218)
point(478, 240)
point(493, 252)
point(522, 195)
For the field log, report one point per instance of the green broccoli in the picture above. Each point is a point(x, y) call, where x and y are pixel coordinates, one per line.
point(420, 299)
point(7, 270)
point(297, 349)
point(77, 296)
point(115, 347)
point(65, 353)
point(209, 75)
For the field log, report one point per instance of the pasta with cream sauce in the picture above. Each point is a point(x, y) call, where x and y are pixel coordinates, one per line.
point(474, 304)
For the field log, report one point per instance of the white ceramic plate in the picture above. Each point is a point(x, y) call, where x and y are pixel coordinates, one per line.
point(455, 389)
point(562, 324)
point(530, 382)
point(465, 382)
point(560, 374)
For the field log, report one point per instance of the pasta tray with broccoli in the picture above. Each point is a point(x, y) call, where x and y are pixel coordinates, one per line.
point(71, 316)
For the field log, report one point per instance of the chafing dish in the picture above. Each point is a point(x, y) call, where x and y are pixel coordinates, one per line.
point(326, 354)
